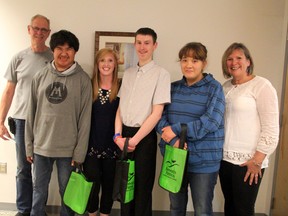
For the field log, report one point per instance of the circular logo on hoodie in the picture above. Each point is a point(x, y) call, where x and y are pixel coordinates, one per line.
point(56, 92)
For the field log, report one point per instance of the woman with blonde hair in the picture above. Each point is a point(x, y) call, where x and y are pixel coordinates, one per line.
point(99, 165)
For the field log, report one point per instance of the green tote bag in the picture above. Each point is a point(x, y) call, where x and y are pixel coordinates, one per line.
point(77, 192)
point(124, 180)
point(173, 165)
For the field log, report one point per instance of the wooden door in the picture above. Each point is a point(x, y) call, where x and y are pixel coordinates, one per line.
point(280, 199)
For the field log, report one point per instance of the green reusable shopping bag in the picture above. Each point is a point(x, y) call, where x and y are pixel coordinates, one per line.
point(124, 180)
point(77, 192)
point(129, 194)
point(173, 165)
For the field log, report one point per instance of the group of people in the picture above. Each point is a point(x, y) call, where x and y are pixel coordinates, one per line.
point(64, 117)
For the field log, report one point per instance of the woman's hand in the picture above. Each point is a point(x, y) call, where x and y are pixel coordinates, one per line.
point(253, 172)
point(177, 144)
point(167, 134)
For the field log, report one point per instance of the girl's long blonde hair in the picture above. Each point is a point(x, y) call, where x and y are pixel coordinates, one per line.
point(96, 80)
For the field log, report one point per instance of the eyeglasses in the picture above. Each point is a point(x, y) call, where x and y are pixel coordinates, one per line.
point(36, 29)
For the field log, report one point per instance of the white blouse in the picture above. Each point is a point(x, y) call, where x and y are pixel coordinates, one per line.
point(251, 120)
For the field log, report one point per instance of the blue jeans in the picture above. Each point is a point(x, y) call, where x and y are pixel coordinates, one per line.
point(24, 186)
point(202, 191)
point(42, 169)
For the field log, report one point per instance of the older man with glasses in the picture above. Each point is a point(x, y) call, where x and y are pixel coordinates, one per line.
point(19, 75)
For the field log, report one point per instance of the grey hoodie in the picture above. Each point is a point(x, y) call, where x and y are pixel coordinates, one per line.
point(59, 113)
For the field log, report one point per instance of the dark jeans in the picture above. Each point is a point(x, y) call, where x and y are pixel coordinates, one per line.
point(101, 172)
point(202, 190)
point(239, 196)
point(24, 184)
point(145, 166)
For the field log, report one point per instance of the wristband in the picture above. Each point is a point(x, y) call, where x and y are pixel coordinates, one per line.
point(115, 136)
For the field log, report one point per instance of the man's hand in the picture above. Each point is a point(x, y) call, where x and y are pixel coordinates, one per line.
point(75, 163)
point(30, 159)
point(4, 132)
point(121, 142)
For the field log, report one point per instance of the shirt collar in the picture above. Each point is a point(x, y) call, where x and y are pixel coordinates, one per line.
point(146, 67)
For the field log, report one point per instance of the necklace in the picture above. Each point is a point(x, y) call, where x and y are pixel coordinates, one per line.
point(103, 95)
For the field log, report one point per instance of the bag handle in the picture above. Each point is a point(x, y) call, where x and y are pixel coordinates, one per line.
point(79, 168)
point(183, 135)
point(124, 152)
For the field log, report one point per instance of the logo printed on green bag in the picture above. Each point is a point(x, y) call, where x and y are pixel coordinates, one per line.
point(172, 163)
point(131, 176)
point(130, 183)
point(170, 169)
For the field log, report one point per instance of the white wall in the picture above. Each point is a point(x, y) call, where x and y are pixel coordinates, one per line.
point(260, 24)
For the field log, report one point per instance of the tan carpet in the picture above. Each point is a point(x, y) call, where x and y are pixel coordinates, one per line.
point(7, 213)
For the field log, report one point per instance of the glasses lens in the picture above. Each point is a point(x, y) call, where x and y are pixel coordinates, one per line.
point(36, 29)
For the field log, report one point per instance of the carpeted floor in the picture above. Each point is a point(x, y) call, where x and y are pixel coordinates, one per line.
point(113, 213)
point(7, 213)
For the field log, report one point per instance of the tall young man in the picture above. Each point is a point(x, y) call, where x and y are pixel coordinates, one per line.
point(144, 91)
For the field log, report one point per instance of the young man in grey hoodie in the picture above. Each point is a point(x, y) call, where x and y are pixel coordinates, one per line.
point(58, 122)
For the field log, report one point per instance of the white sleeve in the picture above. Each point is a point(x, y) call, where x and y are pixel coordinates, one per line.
point(267, 107)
